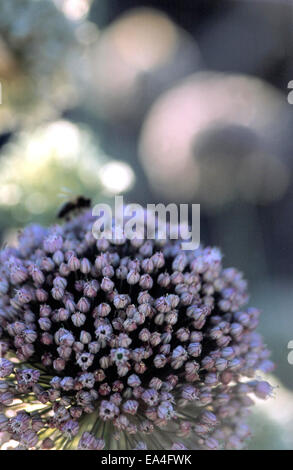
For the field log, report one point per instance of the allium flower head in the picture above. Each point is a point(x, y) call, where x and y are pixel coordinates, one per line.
point(134, 344)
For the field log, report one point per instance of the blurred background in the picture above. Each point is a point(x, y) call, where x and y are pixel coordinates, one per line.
point(162, 101)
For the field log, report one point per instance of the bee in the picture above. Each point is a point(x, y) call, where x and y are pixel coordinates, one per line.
point(79, 203)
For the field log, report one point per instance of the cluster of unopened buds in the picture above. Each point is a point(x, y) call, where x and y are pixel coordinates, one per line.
point(124, 344)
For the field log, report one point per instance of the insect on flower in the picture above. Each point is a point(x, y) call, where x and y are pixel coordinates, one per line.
point(71, 206)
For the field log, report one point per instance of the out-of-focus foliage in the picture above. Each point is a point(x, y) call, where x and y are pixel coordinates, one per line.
point(37, 43)
point(37, 165)
point(222, 135)
point(137, 57)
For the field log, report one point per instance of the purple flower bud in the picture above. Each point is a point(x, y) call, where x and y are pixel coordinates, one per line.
point(60, 282)
point(130, 407)
point(4, 422)
point(78, 319)
point(85, 337)
point(87, 442)
point(30, 336)
point(189, 393)
point(29, 439)
point(194, 349)
point(45, 324)
point(160, 361)
point(165, 410)
point(47, 444)
point(179, 262)
point(91, 288)
point(133, 381)
point(162, 305)
point(151, 397)
point(146, 282)
point(67, 383)
point(59, 364)
point(144, 335)
point(6, 367)
point(27, 376)
point(108, 410)
point(107, 285)
point(70, 428)
point(53, 243)
point(23, 296)
point(42, 295)
point(73, 263)
point(147, 265)
point(85, 266)
point(211, 443)
point(164, 280)
point(178, 446)
point(83, 305)
point(140, 446)
point(18, 275)
point(47, 339)
point(133, 277)
point(57, 293)
point(37, 276)
point(64, 269)
point(121, 301)
point(103, 244)
point(262, 389)
point(85, 360)
point(58, 257)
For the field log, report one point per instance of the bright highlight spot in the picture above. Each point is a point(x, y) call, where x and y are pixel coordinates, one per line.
point(117, 176)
